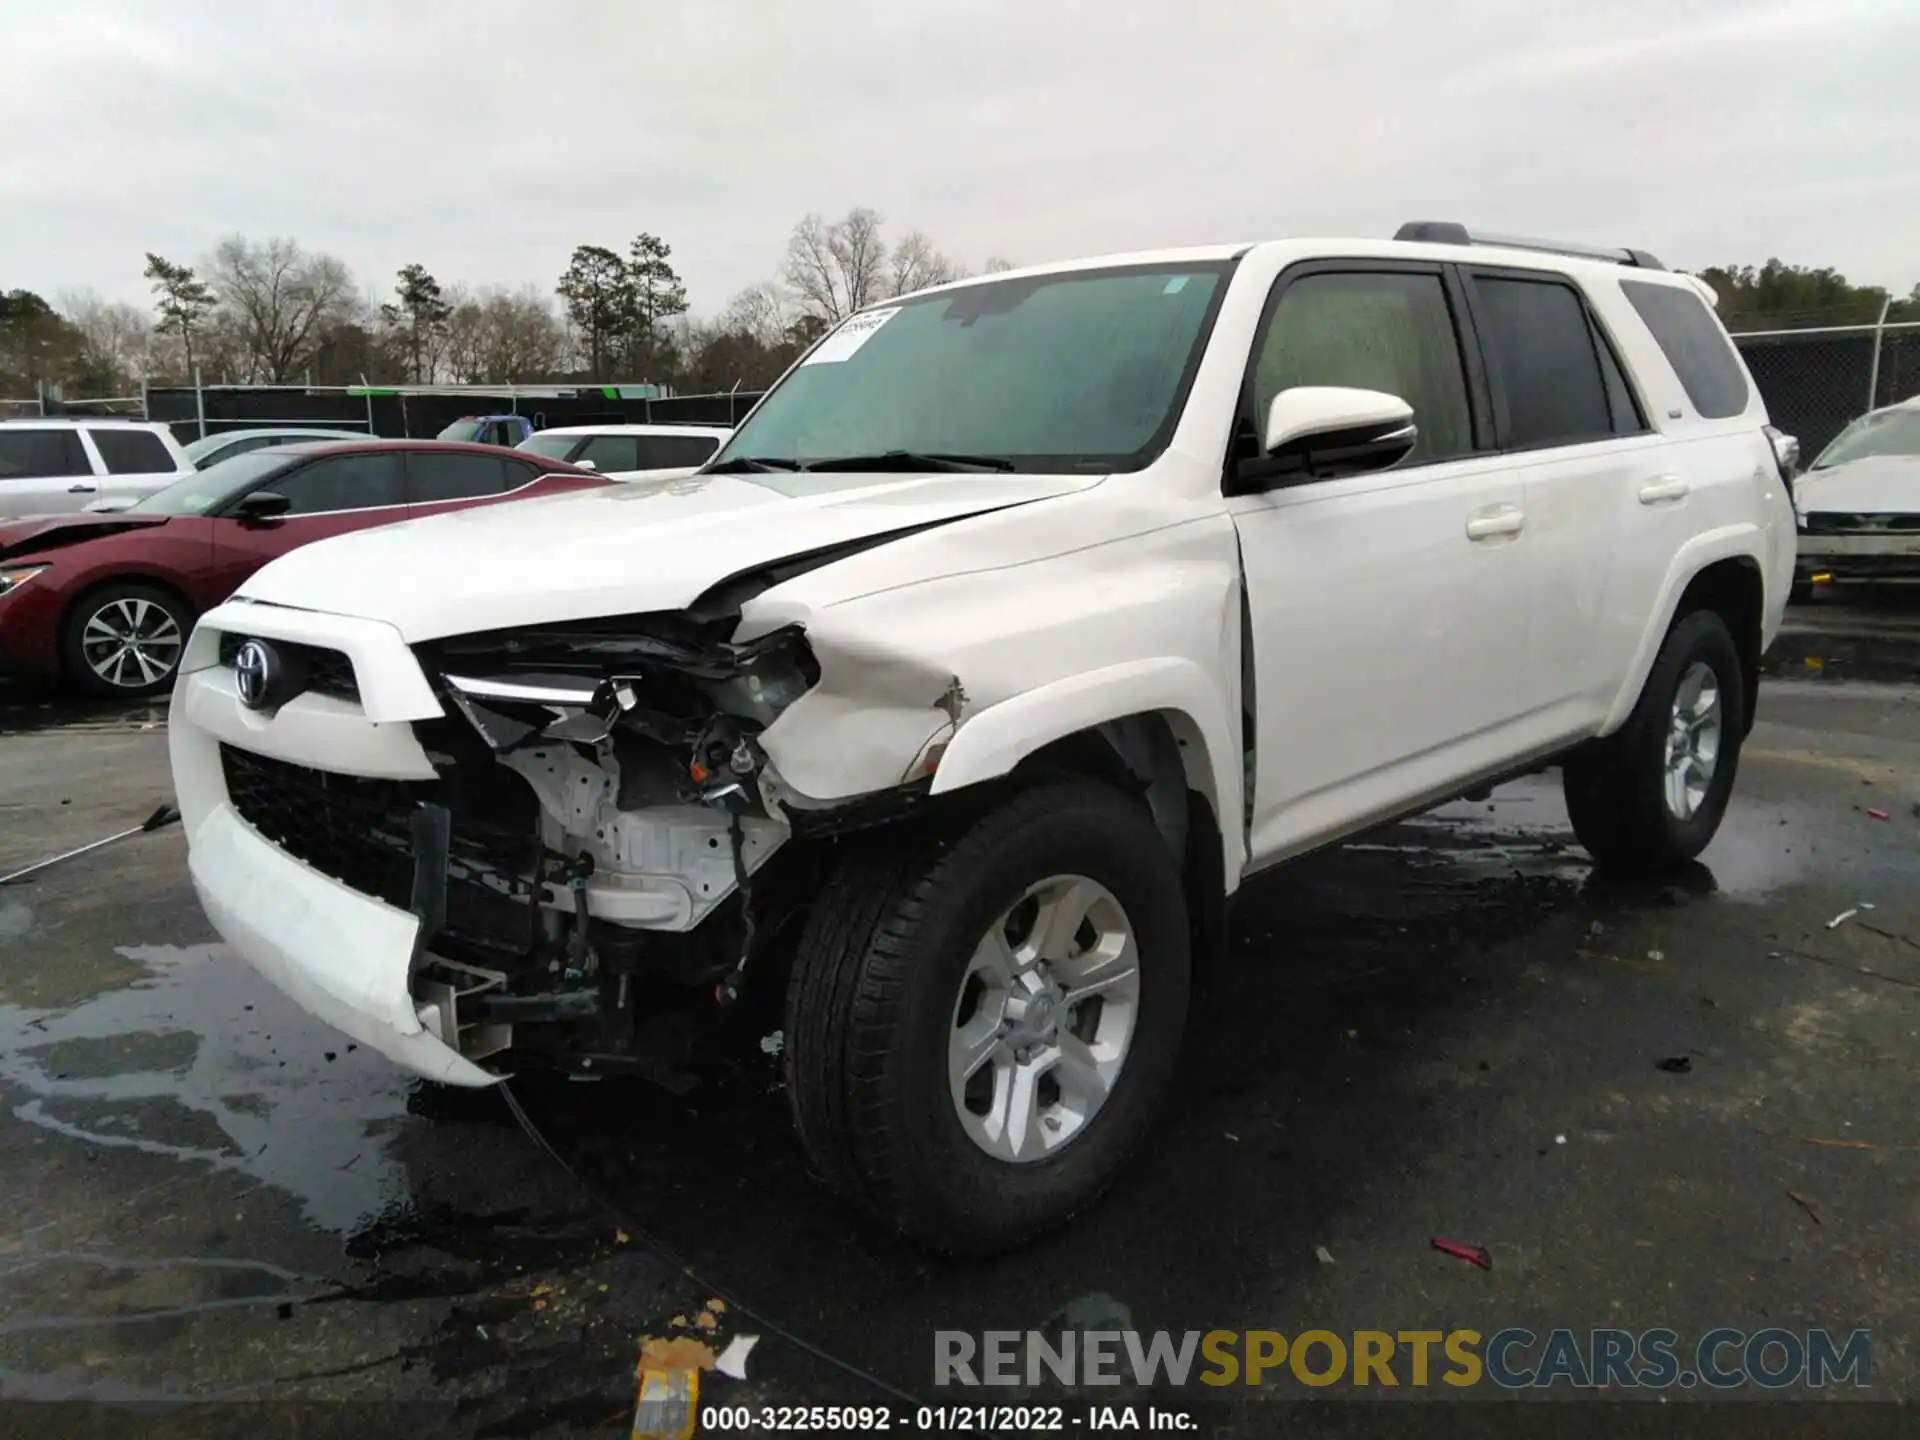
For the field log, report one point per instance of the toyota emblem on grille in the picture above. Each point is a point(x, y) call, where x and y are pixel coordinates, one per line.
point(256, 668)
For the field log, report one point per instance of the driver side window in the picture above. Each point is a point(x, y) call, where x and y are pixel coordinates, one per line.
point(343, 482)
point(1372, 330)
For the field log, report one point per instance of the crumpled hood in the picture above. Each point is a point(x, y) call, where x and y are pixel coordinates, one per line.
point(625, 549)
point(1876, 484)
point(35, 533)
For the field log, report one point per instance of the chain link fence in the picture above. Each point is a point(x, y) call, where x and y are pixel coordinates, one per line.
point(1816, 382)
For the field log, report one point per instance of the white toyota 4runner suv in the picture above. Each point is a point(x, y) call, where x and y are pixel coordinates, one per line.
point(1017, 626)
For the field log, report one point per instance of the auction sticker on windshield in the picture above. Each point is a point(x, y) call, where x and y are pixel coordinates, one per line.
point(842, 344)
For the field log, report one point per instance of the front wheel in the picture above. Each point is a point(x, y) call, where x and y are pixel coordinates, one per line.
point(981, 1027)
point(124, 640)
point(1648, 798)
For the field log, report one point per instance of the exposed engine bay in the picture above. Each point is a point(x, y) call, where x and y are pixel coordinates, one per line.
point(636, 746)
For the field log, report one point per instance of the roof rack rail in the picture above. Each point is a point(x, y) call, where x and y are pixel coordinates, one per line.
point(1450, 232)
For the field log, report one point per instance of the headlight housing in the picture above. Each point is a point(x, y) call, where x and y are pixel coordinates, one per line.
point(12, 577)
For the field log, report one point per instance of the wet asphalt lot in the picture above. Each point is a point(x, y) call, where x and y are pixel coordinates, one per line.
point(205, 1194)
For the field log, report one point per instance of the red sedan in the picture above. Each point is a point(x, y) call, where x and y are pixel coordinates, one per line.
point(104, 602)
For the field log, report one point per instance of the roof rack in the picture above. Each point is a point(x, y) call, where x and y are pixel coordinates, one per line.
point(1449, 232)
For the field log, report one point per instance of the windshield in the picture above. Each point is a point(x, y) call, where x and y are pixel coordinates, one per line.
point(198, 450)
point(550, 447)
point(1889, 432)
point(207, 490)
point(1082, 371)
point(468, 429)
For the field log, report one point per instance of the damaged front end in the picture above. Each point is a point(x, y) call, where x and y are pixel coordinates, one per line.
point(626, 756)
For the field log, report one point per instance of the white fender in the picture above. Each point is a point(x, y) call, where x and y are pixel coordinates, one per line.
point(991, 743)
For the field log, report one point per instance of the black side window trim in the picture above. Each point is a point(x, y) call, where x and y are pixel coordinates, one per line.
point(1603, 350)
point(1243, 441)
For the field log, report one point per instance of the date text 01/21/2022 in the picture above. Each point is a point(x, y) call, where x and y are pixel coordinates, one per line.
point(987, 1419)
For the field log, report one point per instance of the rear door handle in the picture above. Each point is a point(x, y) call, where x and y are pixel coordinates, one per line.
point(1495, 521)
point(1663, 488)
point(81, 489)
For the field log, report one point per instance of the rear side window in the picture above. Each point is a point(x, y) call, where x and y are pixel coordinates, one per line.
point(432, 478)
point(611, 452)
point(132, 452)
point(666, 452)
point(344, 482)
point(1543, 352)
point(27, 453)
point(1695, 345)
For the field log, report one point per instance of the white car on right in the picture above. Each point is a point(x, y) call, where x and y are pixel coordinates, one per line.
point(630, 452)
point(1859, 502)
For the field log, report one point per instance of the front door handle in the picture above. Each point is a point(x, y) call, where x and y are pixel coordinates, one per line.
point(1663, 488)
point(1495, 521)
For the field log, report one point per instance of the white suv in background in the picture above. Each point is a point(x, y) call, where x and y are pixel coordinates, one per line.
point(1016, 627)
point(55, 467)
point(630, 452)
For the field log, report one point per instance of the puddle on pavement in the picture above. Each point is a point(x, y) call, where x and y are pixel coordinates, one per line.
point(205, 1063)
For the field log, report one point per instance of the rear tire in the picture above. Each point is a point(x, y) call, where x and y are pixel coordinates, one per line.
point(880, 1023)
point(1648, 798)
point(124, 640)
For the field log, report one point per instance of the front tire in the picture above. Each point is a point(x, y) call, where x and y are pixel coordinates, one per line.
point(124, 640)
point(1648, 799)
point(982, 1027)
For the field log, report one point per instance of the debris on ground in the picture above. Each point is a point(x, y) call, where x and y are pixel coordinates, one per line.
point(1806, 1205)
point(732, 1361)
point(676, 1352)
point(774, 1043)
point(1559, 1139)
point(1675, 1064)
point(1842, 918)
point(1656, 956)
point(1878, 815)
point(1323, 1255)
point(1460, 1250)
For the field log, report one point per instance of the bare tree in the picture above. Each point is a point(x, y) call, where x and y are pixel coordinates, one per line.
point(916, 265)
point(116, 341)
point(836, 269)
point(762, 313)
point(500, 336)
point(996, 264)
point(279, 297)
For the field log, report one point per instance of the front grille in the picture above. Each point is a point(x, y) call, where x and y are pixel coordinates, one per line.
point(323, 671)
point(359, 831)
point(1838, 522)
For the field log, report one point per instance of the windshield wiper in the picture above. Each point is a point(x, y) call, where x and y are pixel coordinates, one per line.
point(913, 460)
point(753, 465)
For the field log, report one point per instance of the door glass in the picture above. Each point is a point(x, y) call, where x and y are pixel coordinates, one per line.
point(1382, 331)
point(668, 452)
point(29, 453)
point(343, 482)
point(435, 477)
point(612, 452)
point(132, 452)
point(1543, 347)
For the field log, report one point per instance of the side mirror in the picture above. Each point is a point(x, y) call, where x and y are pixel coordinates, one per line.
point(261, 506)
point(1317, 432)
point(586, 465)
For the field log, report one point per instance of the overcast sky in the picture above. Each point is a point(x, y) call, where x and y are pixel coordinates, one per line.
point(486, 138)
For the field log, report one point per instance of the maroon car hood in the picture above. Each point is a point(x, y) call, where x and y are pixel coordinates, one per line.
point(50, 532)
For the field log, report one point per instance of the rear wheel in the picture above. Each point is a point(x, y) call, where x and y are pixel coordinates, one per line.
point(124, 640)
point(981, 1028)
point(1649, 797)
